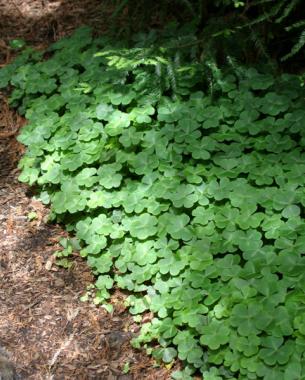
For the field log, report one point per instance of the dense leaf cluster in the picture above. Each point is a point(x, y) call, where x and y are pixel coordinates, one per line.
point(194, 203)
point(256, 31)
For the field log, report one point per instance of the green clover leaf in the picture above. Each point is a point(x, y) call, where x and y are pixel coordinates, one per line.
point(144, 253)
point(86, 177)
point(168, 354)
point(299, 323)
point(258, 81)
point(248, 345)
point(211, 374)
point(275, 351)
point(184, 196)
point(244, 318)
point(169, 112)
point(250, 240)
point(104, 111)
point(95, 245)
point(214, 335)
point(175, 225)
point(203, 215)
point(187, 347)
point(168, 328)
point(273, 104)
point(117, 122)
point(142, 114)
point(102, 225)
point(291, 211)
point(108, 175)
point(141, 226)
point(171, 264)
point(96, 199)
point(104, 282)
point(122, 96)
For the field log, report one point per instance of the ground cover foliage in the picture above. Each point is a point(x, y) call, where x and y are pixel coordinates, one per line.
point(185, 191)
point(251, 31)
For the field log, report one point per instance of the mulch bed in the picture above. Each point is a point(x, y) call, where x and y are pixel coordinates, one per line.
point(45, 328)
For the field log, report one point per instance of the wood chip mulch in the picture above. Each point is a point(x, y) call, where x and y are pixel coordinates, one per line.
point(46, 331)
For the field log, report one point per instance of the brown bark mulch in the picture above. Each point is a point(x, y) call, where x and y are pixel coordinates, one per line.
point(48, 333)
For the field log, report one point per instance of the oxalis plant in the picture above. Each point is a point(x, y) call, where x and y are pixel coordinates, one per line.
point(192, 201)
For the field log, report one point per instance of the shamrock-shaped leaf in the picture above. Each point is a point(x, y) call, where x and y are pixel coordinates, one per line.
point(175, 225)
point(282, 322)
point(272, 226)
point(96, 199)
point(248, 345)
point(251, 240)
point(144, 162)
point(168, 328)
point(141, 226)
point(86, 177)
point(108, 175)
point(226, 163)
point(214, 334)
point(117, 122)
point(168, 354)
point(291, 211)
point(102, 225)
point(138, 305)
point(142, 114)
point(258, 81)
point(121, 96)
point(299, 323)
point(244, 318)
point(211, 374)
point(103, 111)
point(187, 347)
point(184, 196)
point(70, 198)
point(283, 198)
point(144, 253)
point(104, 282)
point(169, 112)
point(203, 215)
point(182, 375)
point(171, 264)
point(275, 350)
point(194, 318)
point(130, 137)
point(273, 104)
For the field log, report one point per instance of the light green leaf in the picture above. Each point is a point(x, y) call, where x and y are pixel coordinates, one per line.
point(141, 226)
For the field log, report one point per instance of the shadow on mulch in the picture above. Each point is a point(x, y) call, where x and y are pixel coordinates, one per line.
point(47, 331)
